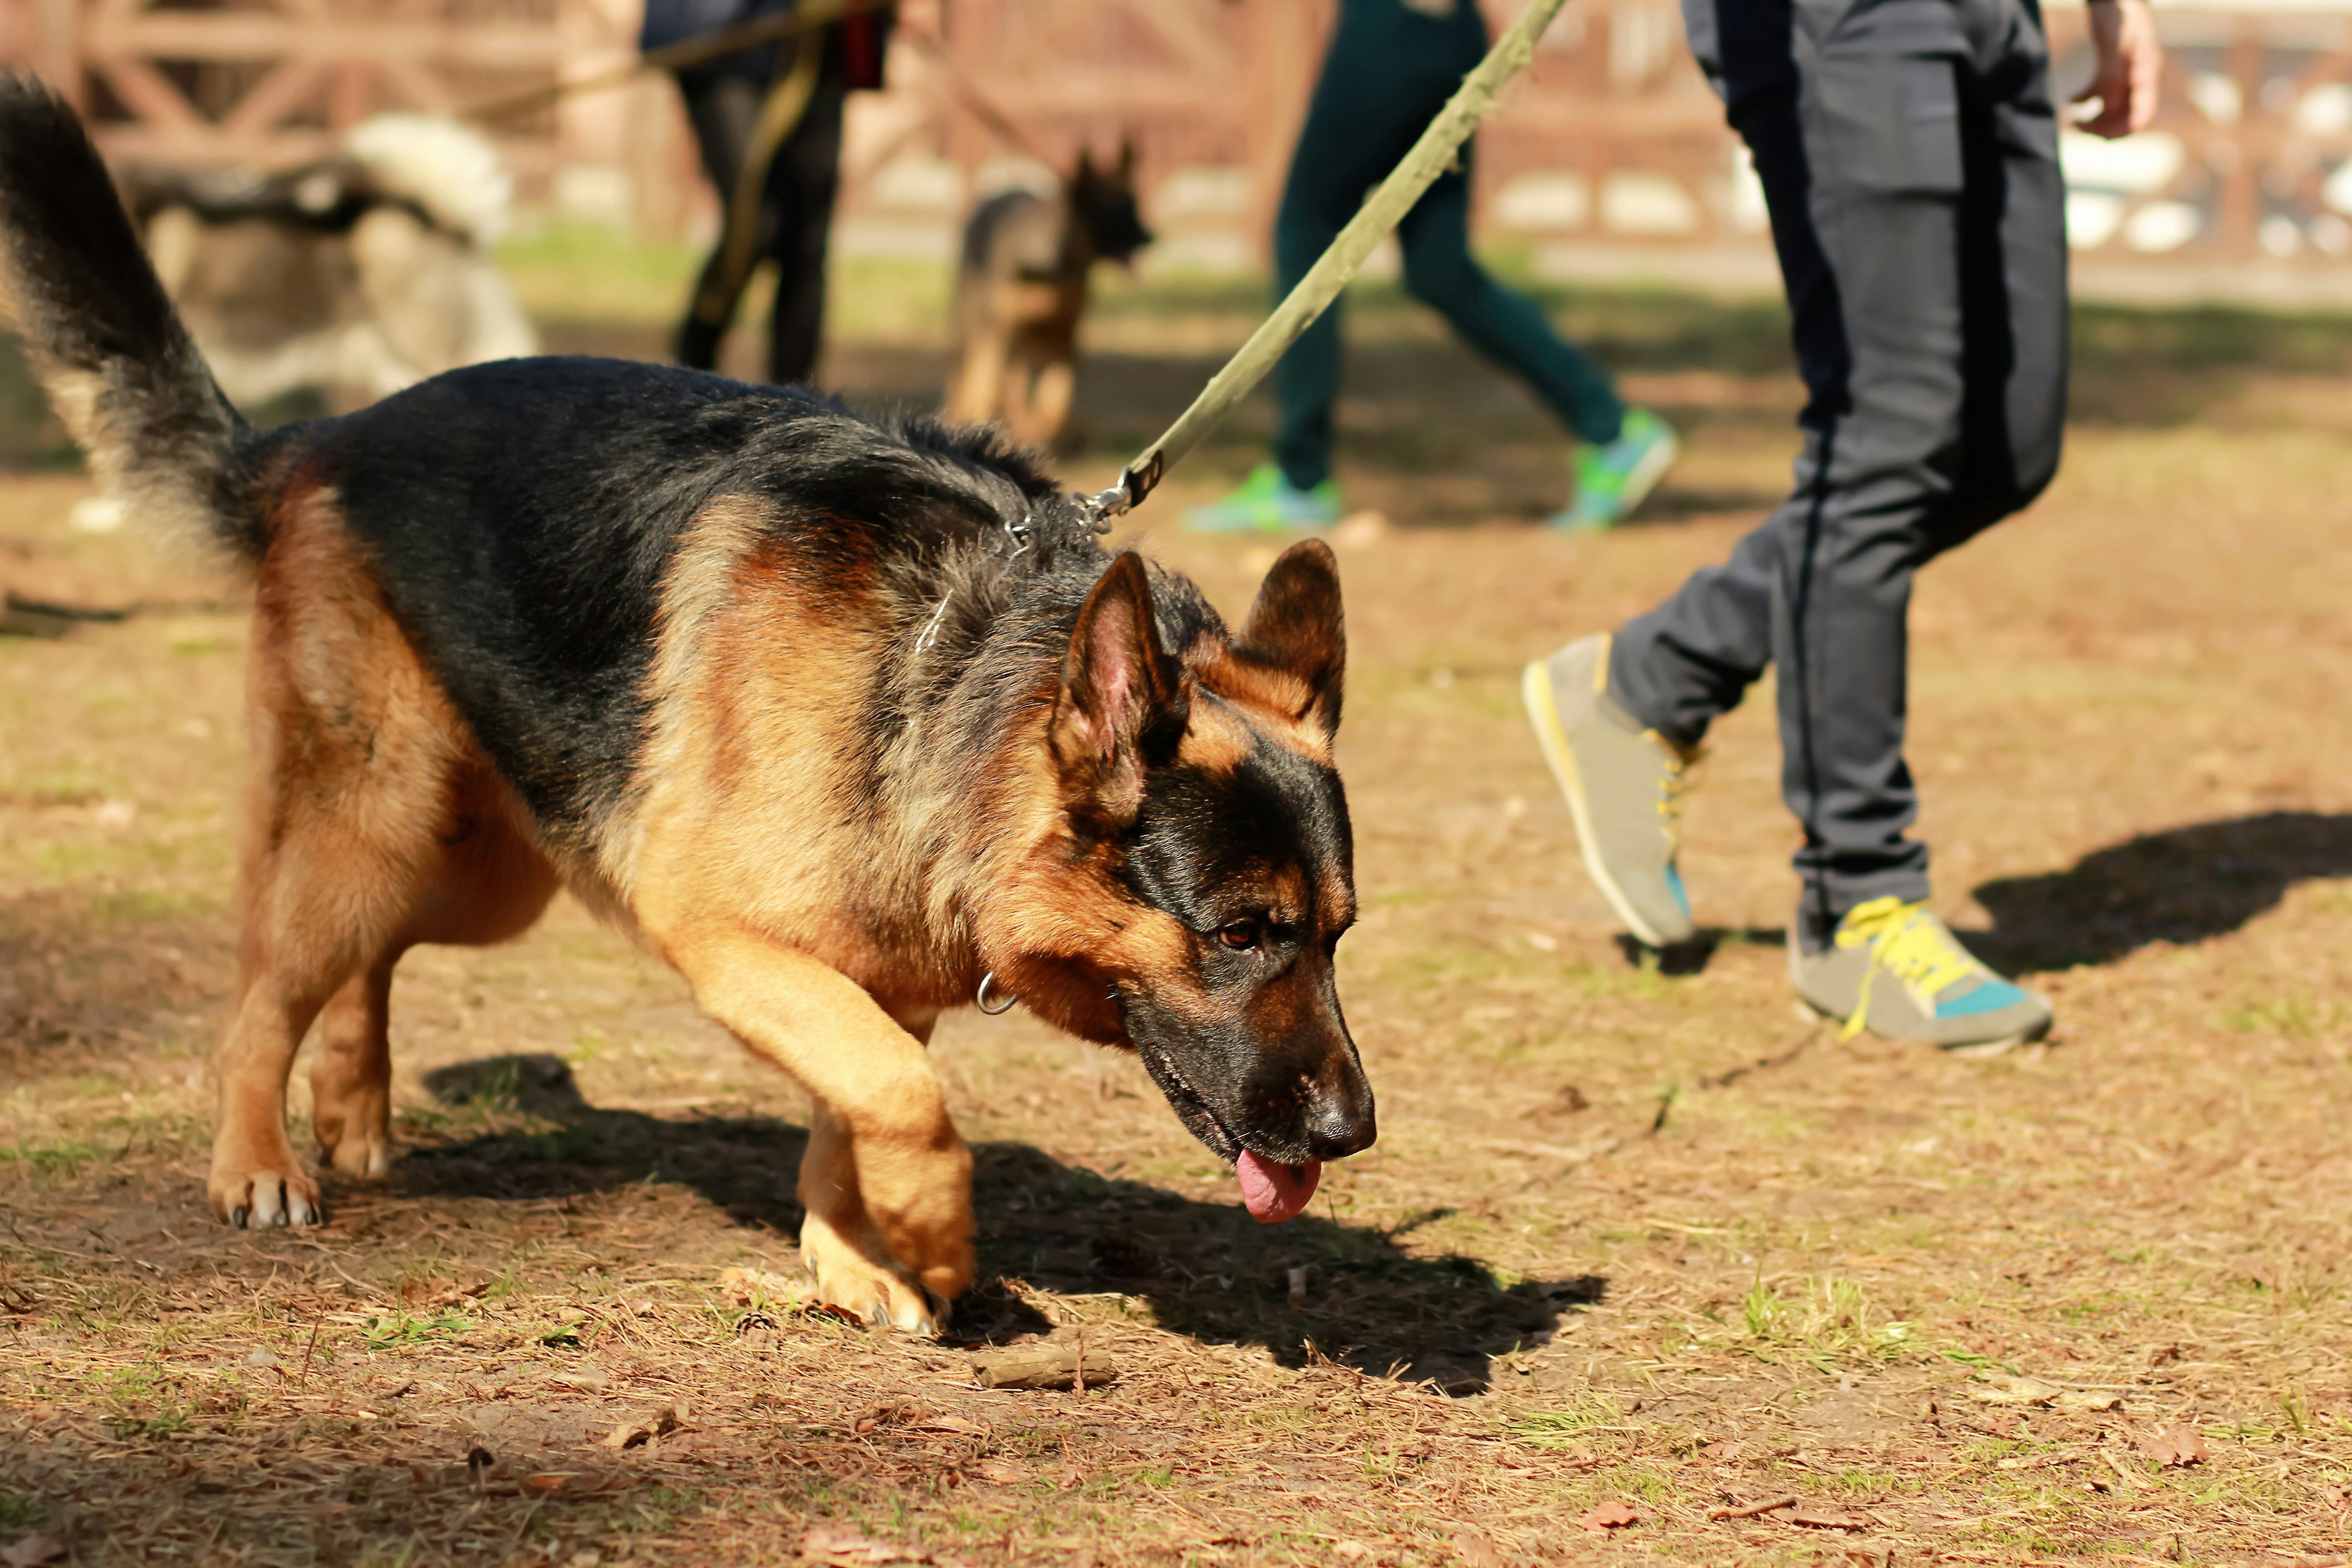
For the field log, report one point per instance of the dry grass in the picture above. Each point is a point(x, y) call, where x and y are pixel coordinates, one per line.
point(1629, 1236)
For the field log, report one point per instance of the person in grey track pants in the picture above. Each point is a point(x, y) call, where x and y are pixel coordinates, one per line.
point(1908, 153)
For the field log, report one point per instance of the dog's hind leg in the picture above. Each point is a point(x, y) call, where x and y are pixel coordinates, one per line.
point(978, 393)
point(350, 1078)
point(358, 767)
point(1049, 402)
point(487, 883)
point(886, 1180)
point(316, 918)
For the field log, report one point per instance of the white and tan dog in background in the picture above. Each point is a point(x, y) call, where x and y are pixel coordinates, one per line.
point(356, 275)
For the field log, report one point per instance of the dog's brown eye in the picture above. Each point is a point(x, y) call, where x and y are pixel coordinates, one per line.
point(1239, 935)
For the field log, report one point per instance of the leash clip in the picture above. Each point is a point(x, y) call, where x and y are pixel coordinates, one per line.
point(1115, 502)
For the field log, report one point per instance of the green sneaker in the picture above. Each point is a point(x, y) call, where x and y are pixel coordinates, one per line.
point(1897, 971)
point(1611, 481)
point(1268, 503)
point(1624, 787)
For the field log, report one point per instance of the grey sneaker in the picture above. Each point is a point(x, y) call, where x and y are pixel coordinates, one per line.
point(1623, 784)
point(1897, 971)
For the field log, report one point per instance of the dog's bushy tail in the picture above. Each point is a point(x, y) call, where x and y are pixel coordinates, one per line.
point(111, 350)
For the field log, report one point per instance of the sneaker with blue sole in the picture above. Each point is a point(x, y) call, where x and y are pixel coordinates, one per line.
point(1615, 480)
point(1268, 503)
point(1895, 969)
point(1624, 787)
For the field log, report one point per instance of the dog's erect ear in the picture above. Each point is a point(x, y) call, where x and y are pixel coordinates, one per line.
point(1085, 169)
point(1119, 690)
point(1126, 173)
point(1296, 626)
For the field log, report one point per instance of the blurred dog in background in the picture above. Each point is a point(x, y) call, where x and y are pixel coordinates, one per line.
point(1021, 288)
point(351, 277)
point(354, 276)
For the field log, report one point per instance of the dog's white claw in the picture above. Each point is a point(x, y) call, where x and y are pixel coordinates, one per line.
point(299, 1210)
point(268, 1203)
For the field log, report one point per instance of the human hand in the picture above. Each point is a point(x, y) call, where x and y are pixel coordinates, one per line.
point(2130, 62)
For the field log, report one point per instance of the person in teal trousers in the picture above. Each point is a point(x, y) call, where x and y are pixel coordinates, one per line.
point(1392, 65)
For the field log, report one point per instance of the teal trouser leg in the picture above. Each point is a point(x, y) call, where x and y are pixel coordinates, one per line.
point(1391, 68)
point(1505, 327)
point(1306, 380)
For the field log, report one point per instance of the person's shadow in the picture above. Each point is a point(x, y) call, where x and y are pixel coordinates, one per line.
point(1315, 1287)
point(2183, 885)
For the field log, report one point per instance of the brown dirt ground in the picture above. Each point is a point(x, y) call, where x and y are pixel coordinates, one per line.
point(1630, 1236)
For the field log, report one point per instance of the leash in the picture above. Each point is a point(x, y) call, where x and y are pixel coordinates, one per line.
point(1430, 157)
point(694, 51)
point(779, 115)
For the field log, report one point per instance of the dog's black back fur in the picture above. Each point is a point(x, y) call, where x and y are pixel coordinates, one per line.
point(525, 513)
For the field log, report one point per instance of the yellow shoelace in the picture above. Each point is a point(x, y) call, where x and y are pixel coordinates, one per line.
point(1681, 770)
point(1906, 942)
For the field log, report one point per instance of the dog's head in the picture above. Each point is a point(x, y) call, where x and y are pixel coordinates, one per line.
point(1204, 868)
point(1103, 201)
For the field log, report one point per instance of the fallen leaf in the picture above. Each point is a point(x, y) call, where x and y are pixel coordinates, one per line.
point(2075, 1399)
point(1476, 1551)
point(1825, 1519)
point(643, 1427)
point(2030, 1461)
point(744, 1286)
point(2177, 1444)
point(1353, 1551)
point(546, 1481)
point(2013, 1391)
point(1609, 1516)
point(847, 1549)
point(33, 1549)
point(951, 1423)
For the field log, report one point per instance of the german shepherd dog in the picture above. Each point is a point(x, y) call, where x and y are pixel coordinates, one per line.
point(1020, 289)
point(848, 721)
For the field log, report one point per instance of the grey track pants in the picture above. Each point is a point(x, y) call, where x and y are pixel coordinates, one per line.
point(1909, 155)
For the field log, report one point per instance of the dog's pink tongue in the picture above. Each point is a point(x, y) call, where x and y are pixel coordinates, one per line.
point(1274, 1192)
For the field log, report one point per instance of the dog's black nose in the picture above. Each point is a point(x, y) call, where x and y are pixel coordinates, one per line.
point(1341, 1119)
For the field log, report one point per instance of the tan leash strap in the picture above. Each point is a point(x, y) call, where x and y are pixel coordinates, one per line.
point(779, 115)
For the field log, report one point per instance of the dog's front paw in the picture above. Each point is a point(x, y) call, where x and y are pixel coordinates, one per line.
point(920, 1206)
point(848, 1279)
point(263, 1193)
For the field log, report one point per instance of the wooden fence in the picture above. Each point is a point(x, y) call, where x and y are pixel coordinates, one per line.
point(1613, 140)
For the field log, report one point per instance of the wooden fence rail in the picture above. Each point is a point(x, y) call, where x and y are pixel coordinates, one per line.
point(1613, 140)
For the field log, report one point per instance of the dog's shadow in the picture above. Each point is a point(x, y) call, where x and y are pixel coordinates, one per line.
point(1315, 1287)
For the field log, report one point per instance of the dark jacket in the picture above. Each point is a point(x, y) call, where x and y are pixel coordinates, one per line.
point(854, 50)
